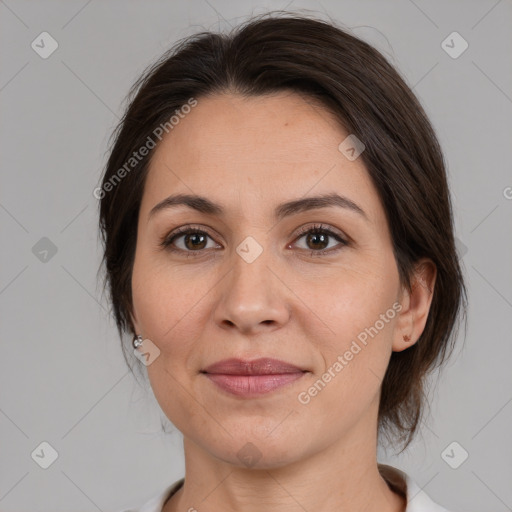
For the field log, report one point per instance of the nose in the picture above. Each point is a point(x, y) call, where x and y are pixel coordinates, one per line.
point(253, 298)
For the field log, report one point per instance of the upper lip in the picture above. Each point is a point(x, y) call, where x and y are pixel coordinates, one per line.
point(262, 366)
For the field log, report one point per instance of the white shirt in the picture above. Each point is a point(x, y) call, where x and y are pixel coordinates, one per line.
point(417, 500)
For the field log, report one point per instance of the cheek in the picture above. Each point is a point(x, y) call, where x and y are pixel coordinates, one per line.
point(171, 314)
point(171, 308)
point(354, 362)
point(360, 310)
point(356, 298)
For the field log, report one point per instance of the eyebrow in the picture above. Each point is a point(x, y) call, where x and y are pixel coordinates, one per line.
point(204, 205)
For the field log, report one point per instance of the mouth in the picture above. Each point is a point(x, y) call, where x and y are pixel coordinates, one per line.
point(252, 378)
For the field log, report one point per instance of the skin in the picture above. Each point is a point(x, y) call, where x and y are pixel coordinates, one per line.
point(251, 154)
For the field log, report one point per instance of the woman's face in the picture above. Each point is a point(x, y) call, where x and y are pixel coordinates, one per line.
point(250, 282)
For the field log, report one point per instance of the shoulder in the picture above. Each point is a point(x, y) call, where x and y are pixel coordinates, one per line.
point(417, 498)
point(156, 503)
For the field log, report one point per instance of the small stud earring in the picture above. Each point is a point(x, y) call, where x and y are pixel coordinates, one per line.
point(137, 341)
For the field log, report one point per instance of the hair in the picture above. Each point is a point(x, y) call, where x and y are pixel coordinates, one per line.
point(319, 60)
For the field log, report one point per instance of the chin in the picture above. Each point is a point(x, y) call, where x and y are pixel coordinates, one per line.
point(259, 453)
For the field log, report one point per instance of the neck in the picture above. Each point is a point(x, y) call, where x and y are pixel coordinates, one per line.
point(344, 476)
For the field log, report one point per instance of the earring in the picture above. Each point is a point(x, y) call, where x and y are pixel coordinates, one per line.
point(407, 338)
point(137, 341)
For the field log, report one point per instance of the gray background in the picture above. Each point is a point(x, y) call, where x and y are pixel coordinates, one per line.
point(62, 376)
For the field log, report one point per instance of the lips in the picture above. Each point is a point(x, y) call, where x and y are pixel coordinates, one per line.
point(251, 379)
point(262, 366)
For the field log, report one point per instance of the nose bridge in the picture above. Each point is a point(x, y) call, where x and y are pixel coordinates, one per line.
point(251, 263)
point(252, 296)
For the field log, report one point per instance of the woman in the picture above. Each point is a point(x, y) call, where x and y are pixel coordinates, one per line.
point(279, 242)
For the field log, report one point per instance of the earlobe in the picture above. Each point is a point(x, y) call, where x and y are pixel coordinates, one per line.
point(415, 305)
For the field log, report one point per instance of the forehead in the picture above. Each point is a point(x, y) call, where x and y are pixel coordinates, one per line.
point(254, 150)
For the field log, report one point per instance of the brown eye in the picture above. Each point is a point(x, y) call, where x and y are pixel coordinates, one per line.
point(317, 239)
point(195, 241)
point(187, 240)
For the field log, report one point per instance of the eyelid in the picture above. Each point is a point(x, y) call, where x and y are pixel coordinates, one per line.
point(318, 226)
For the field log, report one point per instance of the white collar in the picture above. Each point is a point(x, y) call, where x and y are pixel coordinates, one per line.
point(417, 499)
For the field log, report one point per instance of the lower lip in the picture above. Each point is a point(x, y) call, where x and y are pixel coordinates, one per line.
point(252, 385)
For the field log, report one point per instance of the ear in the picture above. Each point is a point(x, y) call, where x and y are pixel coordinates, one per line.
point(415, 305)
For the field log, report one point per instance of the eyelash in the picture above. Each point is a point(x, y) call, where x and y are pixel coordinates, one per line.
point(168, 240)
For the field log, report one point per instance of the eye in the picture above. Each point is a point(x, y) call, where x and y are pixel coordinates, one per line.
point(318, 237)
point(193, 241)
point(187, 239)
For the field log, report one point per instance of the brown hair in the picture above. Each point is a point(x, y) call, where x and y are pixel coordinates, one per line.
point(289, 52)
